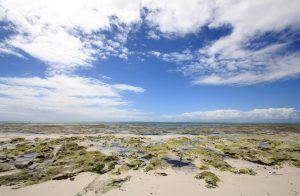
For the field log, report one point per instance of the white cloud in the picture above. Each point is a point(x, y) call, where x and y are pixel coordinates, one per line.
point(227, 59)
point(56, 96)
point(230, 59)
point(69, 34)
point(125, 87)
point(153, 35)
point(178, 18)
point(230, 115)
point(178, 57)
point(7, 50)
point(73, 33)
point(154, 53)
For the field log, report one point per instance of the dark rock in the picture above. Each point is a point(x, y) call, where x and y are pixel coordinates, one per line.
point(63, 176)
point(161, 173)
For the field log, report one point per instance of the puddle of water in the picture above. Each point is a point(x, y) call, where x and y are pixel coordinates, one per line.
point(178, 163)
point(54, 153)
point(11, 172)
point(143, 156)
point(8, 146)
point(263, 145)
point(24, 159)
point(107, 147)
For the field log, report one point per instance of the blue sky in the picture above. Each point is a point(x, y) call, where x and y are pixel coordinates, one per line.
point(145, 60)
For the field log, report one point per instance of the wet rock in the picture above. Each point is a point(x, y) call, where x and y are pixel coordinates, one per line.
point(63, 176)
point(99, 186)
point(264, 146)
point(161, 173)
point(23, 165)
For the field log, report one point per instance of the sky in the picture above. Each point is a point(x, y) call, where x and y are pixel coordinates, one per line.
point(148, 60)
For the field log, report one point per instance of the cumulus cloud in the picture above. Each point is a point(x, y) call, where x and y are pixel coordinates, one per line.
point(230, 115)
point(60, 95)
point(73, 33)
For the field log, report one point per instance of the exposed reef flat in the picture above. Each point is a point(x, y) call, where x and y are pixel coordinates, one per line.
point(256, 160)
point(147, 128)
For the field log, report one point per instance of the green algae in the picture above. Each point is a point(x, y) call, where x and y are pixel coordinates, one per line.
point(71, 158)
point(6, 167)
point(263, 151)
point(98, 168)
point(248, 171)
point(114, 184)
point(210, 178)
point(100, 186)
point(17, 140)
point(156, 163)
point(210, 151)
point(203, 167)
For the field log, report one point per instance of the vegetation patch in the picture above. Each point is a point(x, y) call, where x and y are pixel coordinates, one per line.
point(210, 178)
point(248, 171)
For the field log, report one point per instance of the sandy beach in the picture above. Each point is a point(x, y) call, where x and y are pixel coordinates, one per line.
point(285, 181)
point(127, 164)
point(150, 98)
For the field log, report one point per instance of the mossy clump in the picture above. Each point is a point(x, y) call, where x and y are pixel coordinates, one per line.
point(133, 142)
point(217, 163)
point(174, 143)
point(17, 140)
point(210, 178)
point(114, 184)
point(134, 164)
point(6, 167)
point(155, 163)
point(111, 166)
point(98, 168)
point(155, 150)
point(203, 167)
point(248, 171)
point(263, 150)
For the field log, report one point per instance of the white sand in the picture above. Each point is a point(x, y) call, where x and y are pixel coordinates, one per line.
point(284, 182)
point(179, 183)
point(52, 188)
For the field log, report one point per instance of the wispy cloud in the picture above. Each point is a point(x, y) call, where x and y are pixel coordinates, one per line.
point(237, 58)
point(62, 94)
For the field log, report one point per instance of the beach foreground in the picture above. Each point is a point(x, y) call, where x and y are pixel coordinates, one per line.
point(132, 164)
